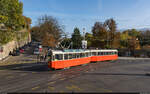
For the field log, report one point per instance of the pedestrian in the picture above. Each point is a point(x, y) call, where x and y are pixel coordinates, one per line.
point(41, 57)
point(45, 55)
point(51, 55)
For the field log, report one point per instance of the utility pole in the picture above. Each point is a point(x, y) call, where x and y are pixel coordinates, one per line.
point(84, 42)
point(107, 37)
point(84, 33)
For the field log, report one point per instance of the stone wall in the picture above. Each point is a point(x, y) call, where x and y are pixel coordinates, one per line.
point(9, 47)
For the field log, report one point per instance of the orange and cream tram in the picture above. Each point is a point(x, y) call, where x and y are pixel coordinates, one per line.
point(68, 58)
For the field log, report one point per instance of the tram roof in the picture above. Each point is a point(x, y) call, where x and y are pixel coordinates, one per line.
point(81, 51)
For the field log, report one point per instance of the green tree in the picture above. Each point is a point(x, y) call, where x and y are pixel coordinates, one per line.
point(124, 38)
point(89, 38)
point(99, 33)
point(133, 33)
point(11, 13)
point(144, 38)
point(76, 38)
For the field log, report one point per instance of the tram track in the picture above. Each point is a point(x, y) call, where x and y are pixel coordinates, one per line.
point(75, 72)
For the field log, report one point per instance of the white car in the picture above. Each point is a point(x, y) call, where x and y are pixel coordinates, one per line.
point(36, 51)
point(40, 46)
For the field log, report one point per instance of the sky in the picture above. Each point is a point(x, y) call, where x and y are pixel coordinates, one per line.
point(84, 13)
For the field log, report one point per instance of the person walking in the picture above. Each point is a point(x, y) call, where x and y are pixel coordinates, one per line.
point(45, 55)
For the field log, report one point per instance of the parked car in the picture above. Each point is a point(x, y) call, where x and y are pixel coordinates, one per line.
point(15, 53)
point(21, 50)
point(36, 51)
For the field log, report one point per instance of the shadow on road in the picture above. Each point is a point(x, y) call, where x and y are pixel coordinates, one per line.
point(34, 67)
point(115, 74)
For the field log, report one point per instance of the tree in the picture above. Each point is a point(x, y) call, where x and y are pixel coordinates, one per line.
point(144, 38)
point(89, 38)
point(99, 35)
point(48, 31)
point(28, 22)
point(116, 42)
point(124, 37)
point(76, 39)
point(11, 13)
point(111, 28)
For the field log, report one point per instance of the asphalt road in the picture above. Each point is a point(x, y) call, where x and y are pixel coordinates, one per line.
point(123, 75)
point(117, 76)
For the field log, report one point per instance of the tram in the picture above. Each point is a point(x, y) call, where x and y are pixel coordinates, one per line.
point(60, 59)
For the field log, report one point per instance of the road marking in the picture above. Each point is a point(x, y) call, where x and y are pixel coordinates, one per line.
point(62, 79)
point(51, 88)
point(51, 82)
point(104, 90)
point(62, 91)
point(23, 74)
point(16, 68)
point(73, 87)
point(69, 88)
point(76, 87)
point(34, 88)
point(34, 72)
point(71, 80)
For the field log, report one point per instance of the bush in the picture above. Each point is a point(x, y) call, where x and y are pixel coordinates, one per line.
point(6, 36)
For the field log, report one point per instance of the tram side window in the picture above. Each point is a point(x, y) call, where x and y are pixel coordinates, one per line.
point(83, 55)
point(53, 58)
point(73, 55)
point(104, 53)
point(59, 57)
point(87, 54)
point(78, 55)
point(70, 56)
point(94, 53)
point(99, 53)
point(116, 53)
point(66, 56)
point(111, 53)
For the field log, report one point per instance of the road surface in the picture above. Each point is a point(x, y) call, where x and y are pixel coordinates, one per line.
point(24, 74)
point(117, 76)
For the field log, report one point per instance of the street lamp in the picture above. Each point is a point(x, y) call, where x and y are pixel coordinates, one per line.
point(84, 42)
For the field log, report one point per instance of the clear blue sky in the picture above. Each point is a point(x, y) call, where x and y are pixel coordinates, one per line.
point(84, 13)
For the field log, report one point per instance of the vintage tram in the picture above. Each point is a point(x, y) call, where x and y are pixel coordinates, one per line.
point(61, 59)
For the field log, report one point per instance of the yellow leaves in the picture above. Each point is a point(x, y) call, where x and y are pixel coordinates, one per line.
point(49, 40)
